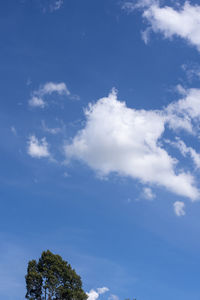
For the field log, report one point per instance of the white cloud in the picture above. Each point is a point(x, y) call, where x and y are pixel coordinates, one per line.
point(93, 295)
point(102, 290)
point(187, 106)
point(56, 5)
point(37, 102)
point(183, 21)
point(146, 35)
point(184, 113)
point(192, 71)
point(53, 131)
point(113, 297)
point(52, 87)
point(38, 149)
point(186, 150)
point(13, 130)
point(132, 5)
point(37, 98)
point(126, 141)
point(66, 175)
point(148, 193)
point(179, 208)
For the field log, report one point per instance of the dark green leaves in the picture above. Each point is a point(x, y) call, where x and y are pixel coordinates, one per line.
point(52, 278)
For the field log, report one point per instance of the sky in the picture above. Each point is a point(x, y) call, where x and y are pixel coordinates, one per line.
point(99, 154)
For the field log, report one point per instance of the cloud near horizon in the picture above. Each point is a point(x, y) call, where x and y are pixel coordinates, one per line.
point(93, 295)
point(128, 142)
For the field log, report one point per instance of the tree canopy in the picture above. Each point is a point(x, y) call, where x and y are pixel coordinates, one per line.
point(52, 278)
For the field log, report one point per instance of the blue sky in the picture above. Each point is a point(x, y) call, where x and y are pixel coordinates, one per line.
point(100, 144)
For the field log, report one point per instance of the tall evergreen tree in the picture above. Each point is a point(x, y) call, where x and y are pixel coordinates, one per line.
point(52, 278)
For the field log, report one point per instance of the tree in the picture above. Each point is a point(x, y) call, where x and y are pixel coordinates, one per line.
point(52, 278)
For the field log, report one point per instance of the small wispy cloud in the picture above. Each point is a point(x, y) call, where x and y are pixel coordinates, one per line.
point(148, 193)
point(56, 5)
point(53, 131)
point(66, 175)
point(132, 5)
point(179, 208)
point(146, 35)
point(113, 297)
point(102, 290)
point(52, 87)
point(184, 113)
point(38, 148)
point(38, 96)
point(50, 5)
point(192, 71)
point(185, 150)
point(94, 294)
point(37, 102)
point(13, 130)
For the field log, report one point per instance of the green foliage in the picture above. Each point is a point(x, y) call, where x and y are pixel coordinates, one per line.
point(33, 281)
point(52, 278)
